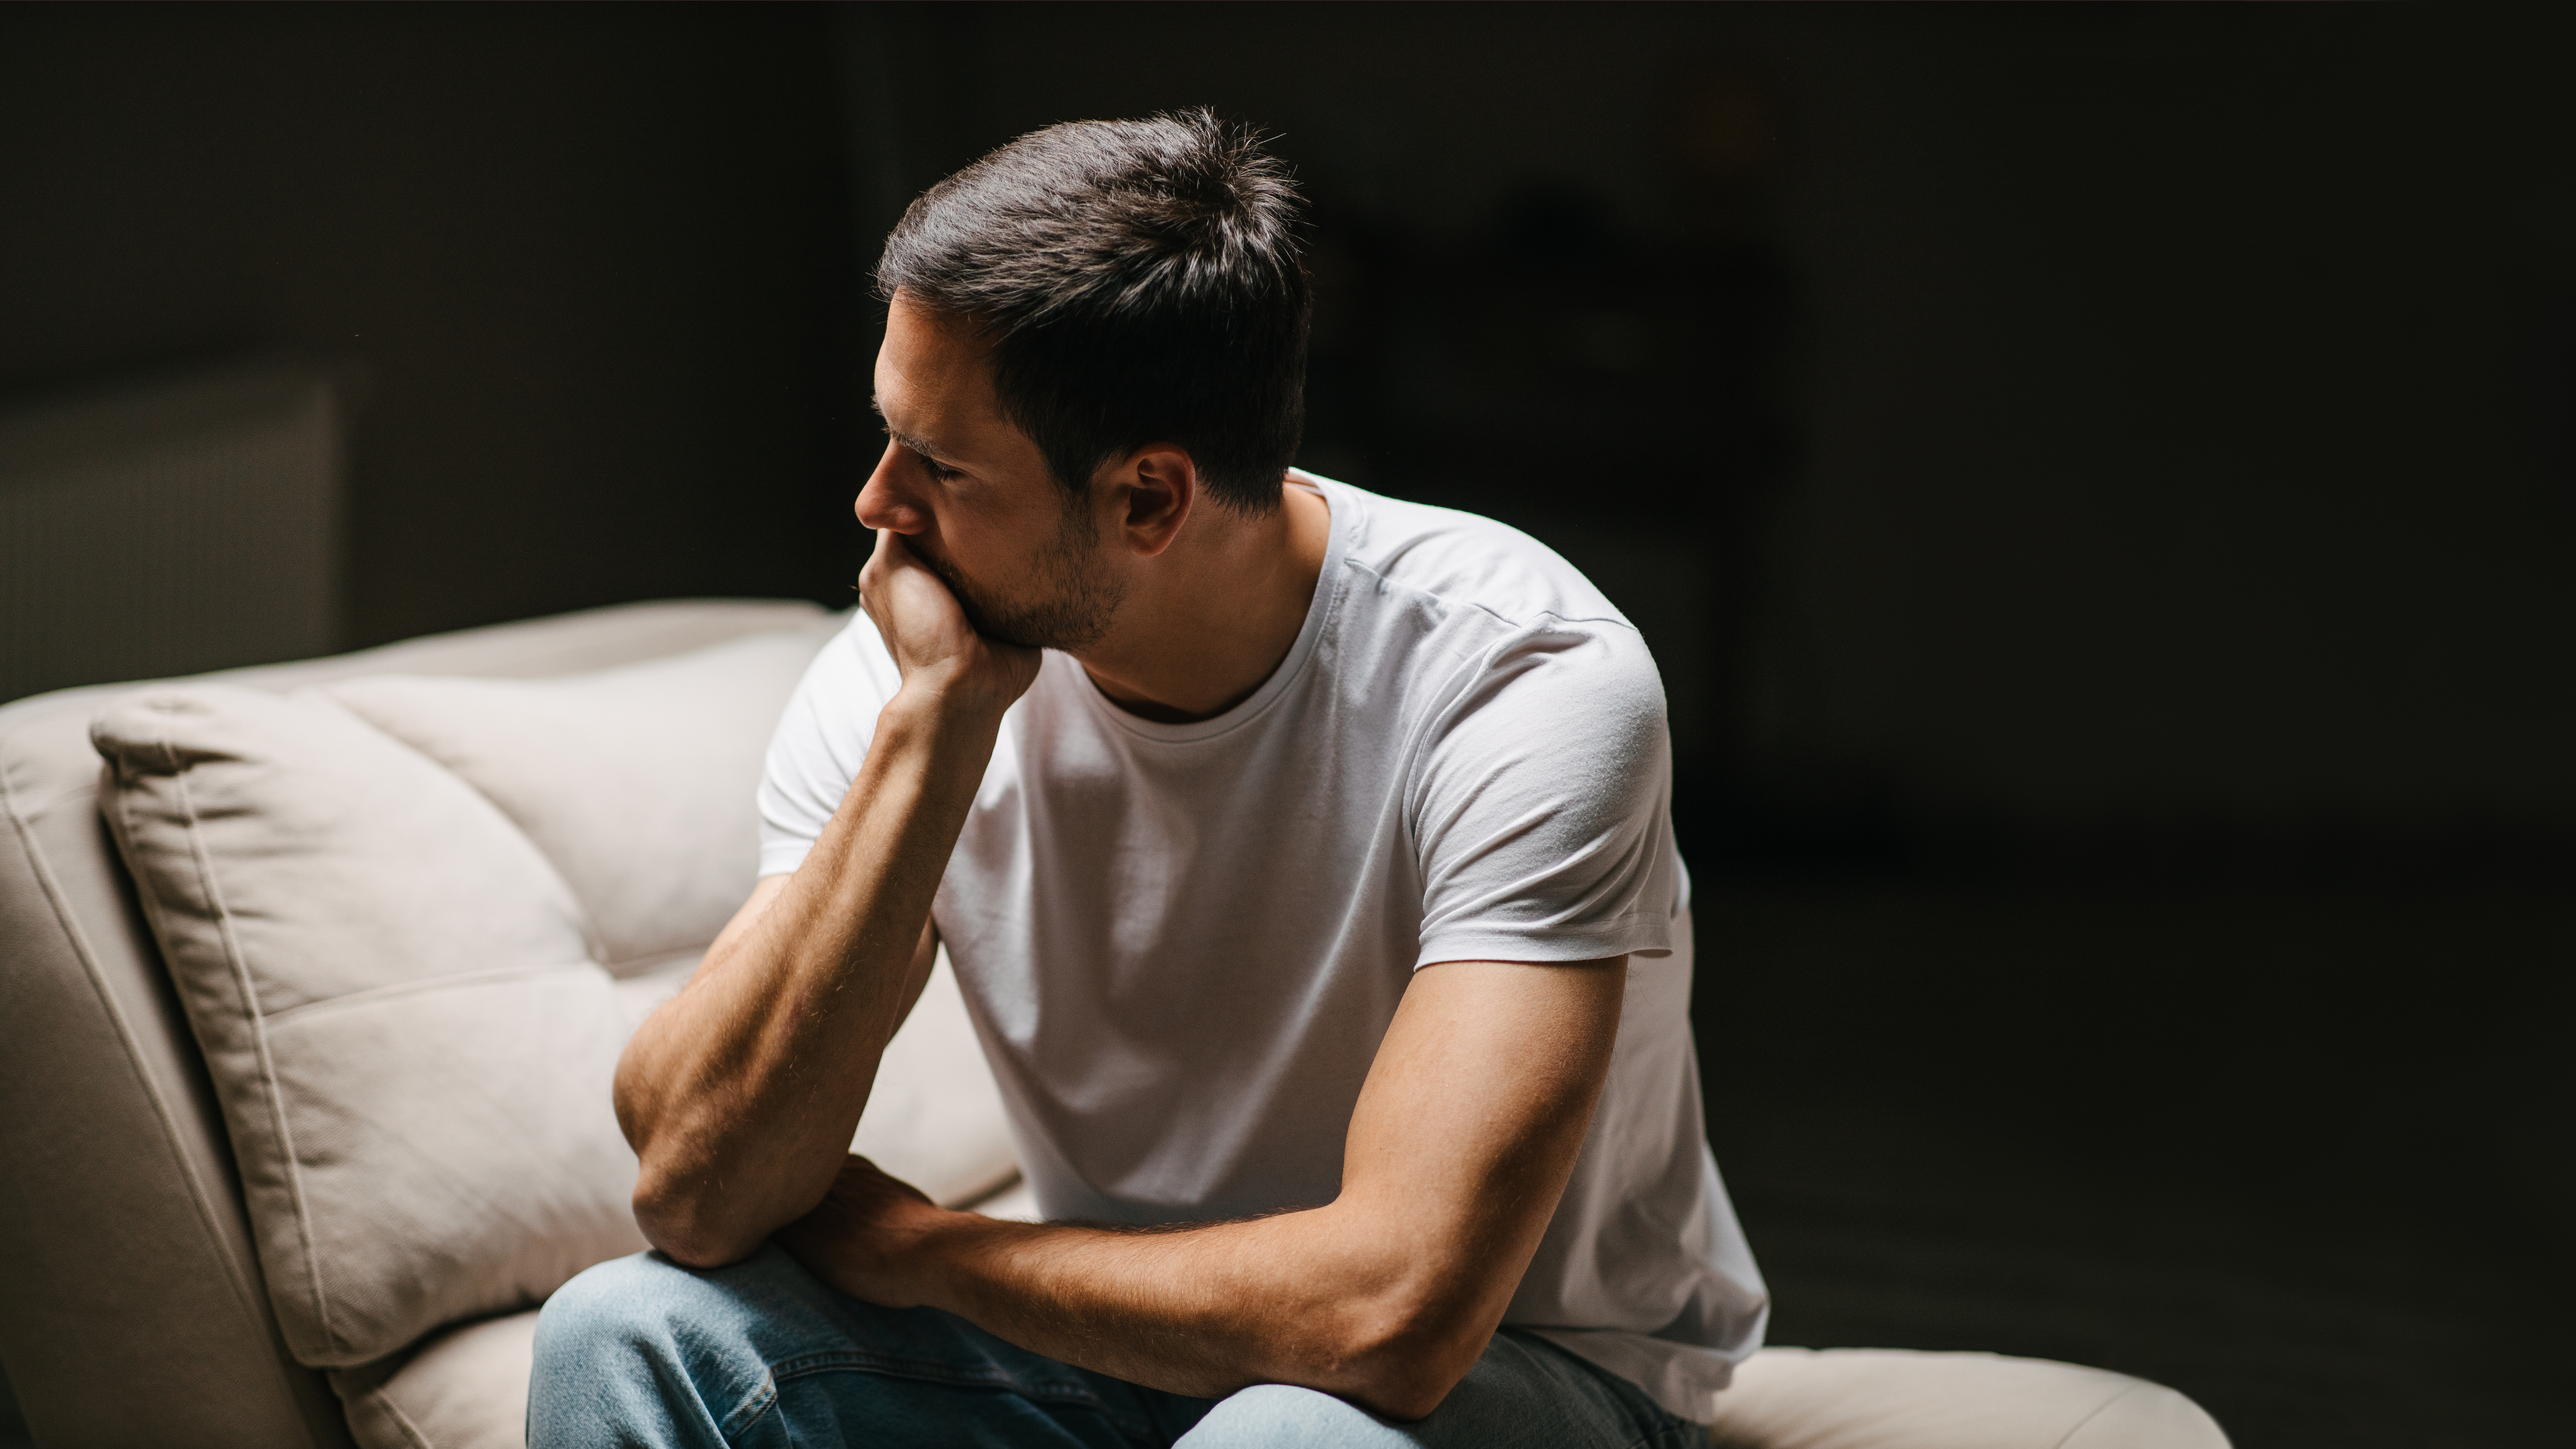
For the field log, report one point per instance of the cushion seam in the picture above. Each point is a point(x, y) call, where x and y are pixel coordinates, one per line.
point(401, 1420)
point(259, 1040)
point(590, 934)
point(2078, 1426)
point(433, 983)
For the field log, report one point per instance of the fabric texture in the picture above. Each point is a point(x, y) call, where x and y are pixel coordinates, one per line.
point(1182, 944)
point(641, 1352)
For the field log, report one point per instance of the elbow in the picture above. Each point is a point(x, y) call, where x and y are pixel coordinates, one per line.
point(683, 1221)
point(679, 1200)
point(1404, 1358)
point(1409, 1398)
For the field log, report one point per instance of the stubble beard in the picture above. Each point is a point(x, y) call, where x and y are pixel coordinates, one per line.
point(1070, 603)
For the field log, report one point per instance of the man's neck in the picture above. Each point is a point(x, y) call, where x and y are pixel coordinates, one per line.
point(1202, 631)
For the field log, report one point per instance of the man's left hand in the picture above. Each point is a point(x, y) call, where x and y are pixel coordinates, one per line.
point(865, 1238)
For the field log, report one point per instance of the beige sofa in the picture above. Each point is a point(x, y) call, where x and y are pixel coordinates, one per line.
point(309, 979)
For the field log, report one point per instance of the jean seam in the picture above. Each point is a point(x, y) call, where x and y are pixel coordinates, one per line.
point(754, 1404)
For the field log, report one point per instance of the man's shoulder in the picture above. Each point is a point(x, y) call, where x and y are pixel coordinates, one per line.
point(1464, 564)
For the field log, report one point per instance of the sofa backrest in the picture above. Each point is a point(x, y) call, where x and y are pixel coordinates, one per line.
point(135, 1312)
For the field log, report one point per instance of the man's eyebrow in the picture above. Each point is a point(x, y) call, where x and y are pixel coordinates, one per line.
point(923, 446)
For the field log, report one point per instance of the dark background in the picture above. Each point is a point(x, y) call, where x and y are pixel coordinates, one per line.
point(2098, 482)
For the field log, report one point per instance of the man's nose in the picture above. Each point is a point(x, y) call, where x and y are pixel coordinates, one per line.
point(883, 502)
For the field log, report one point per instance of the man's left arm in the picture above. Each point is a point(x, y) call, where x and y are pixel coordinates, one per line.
point(1459, 1149)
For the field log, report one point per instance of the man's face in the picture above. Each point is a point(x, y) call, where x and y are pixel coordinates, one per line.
point(973, 498)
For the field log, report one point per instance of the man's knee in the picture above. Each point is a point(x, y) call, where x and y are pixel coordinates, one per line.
point(1276, 1416)
point(645, 1298)
point(1521, 1391)
point(613, 1306)
point(639, 1350)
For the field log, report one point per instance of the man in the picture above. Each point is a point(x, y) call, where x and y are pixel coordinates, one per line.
point(1304, 857)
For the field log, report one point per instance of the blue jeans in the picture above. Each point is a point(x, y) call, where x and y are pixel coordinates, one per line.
point(643, 1352)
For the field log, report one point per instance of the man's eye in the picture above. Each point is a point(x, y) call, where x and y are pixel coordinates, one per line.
point(935, 468)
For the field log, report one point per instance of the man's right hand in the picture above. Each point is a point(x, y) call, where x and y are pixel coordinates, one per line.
point(929, 636)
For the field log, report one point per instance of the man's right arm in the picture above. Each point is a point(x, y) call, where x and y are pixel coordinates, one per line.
point(741, 1093)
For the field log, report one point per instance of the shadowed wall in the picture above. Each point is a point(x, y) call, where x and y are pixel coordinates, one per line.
point(586, 271)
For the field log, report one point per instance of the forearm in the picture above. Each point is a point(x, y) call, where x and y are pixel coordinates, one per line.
point(740, 1094)
point(1312, 1298)
point(1348, 1299)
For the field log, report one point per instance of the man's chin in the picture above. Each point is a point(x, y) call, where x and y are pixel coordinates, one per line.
point(1069, 622)
point(978, 617)
point(1069, 625)
point(1028, 629)
point(1052, 628)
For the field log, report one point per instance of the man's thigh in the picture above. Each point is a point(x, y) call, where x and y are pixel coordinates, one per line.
point(1525, 1391)
point(643, 1352)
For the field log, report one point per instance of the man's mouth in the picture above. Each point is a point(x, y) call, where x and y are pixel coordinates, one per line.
point(946, 572)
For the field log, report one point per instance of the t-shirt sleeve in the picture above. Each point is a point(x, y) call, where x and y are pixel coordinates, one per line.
point(1543, 805)
point(821, 741)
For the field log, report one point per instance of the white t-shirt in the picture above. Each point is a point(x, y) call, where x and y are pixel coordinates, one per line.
point(1181, 944)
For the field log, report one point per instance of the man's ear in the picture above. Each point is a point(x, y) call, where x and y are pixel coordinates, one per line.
point(1153, 490)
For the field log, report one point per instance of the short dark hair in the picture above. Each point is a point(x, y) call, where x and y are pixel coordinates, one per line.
point(1138, 281)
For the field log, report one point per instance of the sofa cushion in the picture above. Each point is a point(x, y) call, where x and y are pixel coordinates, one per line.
point(1884, 1398)
point(636, 782)
point(396, 1004)
point(394, 987)
point(466, 1388)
